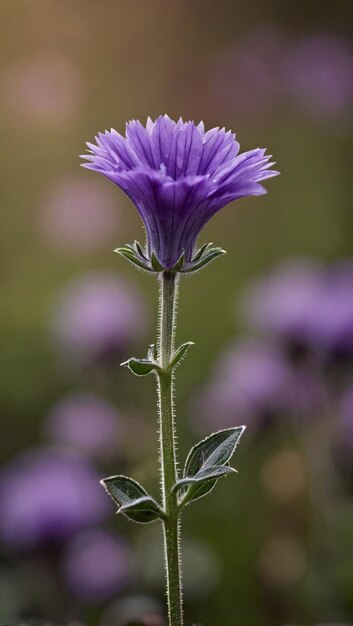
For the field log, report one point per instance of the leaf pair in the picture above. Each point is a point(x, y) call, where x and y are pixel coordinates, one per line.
point(143, 367)
point(207, 462)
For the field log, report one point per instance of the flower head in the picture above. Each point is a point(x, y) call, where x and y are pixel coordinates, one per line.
point(178, 176)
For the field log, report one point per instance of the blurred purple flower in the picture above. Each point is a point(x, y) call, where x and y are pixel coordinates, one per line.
point(306, 304)
point(86, 423)
point(333, 330)
point(78, 215)
point(178, 176)
point(247, 74)
point(285, 302)
point(97, 565)
point(306, 395)
point(318, 73)
point(47, 495)
point(251, 380)
point(97, 316)
point(43, 89)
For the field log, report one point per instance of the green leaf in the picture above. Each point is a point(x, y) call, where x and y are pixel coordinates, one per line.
point(201, 484)
point(141, 367)
point(179, 354)
point(208, 473)
point(132, 499)
point(217, 449)
point(207, 462)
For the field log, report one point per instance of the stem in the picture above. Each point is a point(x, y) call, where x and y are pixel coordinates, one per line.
point(168, 462)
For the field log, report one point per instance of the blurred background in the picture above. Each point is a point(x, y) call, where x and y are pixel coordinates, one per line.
point(272, 320)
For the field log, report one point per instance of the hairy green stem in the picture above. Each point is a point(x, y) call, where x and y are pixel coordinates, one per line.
point(168, 461)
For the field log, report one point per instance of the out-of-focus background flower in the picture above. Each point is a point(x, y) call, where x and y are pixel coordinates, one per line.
point(272, 321)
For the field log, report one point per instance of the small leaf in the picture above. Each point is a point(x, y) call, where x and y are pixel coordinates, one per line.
point(217, 449)
point(132, 499)
point(207, 462)
point(201, 484)
point(179, 354)
point(141, 367)
point(208, 473)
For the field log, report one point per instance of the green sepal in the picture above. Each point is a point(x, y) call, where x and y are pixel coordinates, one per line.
point(200, 472)
point(132, 499)
point(134, 254)
point(141, 367)
point(140, 250)
point(200, 252)
point(179, 264)
point(156, 266)
point(204, 259)
point(179, 354)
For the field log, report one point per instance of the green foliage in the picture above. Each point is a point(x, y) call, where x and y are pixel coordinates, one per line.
point(179, 354)
point(141, 367)
point(132, 499)
point(206, 463)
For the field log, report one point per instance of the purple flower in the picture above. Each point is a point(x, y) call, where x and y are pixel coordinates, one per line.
point(333, 330)
point(306, 304)
point(285, 302)
point(252, 379)
point(47, 495)
point(318, 73)
point(77, 216)
point(246, 73)
point(178, 176)
point(97, 316)
point(97, 565)
point(42, 90)
point(86, 423)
